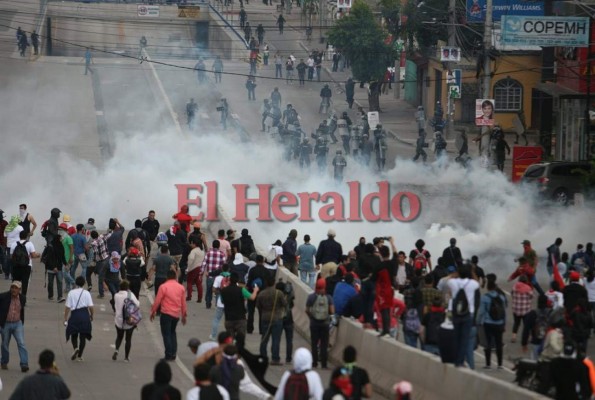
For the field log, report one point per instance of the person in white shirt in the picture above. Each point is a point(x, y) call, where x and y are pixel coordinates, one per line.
point(122, 328)
point(302, 363)
point(21, 272)
point(194, 271)
point(12, 233)
point(463, 324)
point(205, 389)
point(79, 305)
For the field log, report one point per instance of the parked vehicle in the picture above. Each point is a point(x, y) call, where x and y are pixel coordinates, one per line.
point(558, 181)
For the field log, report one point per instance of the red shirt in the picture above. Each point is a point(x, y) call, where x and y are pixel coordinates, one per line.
point(184, 220)
point(172, 299)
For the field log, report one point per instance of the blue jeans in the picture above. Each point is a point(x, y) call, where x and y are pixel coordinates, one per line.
point(83, 265)
point(275, 329)
point(308, 277)
point(209, 295)
point(462, 334)
point(6, 266)
point(59, 276)
point(68, 279)
point(278, 71)
point(432, 348)
point(100, 268)
point(216, 321)
point(470, 356)
point(368, 294)
point(288, 329)
point(168, 332)
point(411, 339)
point(14, 329)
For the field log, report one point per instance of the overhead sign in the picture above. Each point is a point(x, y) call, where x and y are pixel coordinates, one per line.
point(545, 31)
point(373, 119)
point(484, 112)
point(476, 9)
point(144, 10)
point(450, 54)
point(498, 45)
point(343, 4)
point(522, 158)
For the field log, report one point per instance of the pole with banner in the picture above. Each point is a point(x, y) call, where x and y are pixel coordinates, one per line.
point(487, 85)
point(398, 46)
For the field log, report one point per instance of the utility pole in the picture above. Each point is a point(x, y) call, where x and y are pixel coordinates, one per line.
point(487, 83)
point(451, 42)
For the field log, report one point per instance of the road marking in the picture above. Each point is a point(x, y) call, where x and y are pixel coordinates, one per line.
point(99, 112)
point(204, 115)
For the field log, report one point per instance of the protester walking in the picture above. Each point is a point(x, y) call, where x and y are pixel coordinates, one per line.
point(78, 316)
point(123, 328)
point(12, 317)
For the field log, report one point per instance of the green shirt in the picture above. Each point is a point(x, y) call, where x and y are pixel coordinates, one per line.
point(67, 242)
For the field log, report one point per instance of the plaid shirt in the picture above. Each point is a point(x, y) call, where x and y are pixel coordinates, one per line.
point(521, 302)
point(214, 260)
point(99, 247)
point(428, 294)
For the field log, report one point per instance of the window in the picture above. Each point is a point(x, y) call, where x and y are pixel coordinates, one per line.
point(508, 94)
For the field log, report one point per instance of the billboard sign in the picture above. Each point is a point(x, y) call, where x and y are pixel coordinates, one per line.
point(545, 31)
point(476, 9)
point(454, 80)
point(144, 10)
point(342, 4)
point(450, 54)
point(484, 112)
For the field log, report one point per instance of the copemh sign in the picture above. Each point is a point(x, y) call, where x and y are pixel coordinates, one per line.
point(476, 9)
point(545, 31)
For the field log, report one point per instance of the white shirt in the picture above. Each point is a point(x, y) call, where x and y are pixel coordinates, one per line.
point(195, 259)
point(590, 286)
point(247, 386)
point(469, 285)
point(217, 285)
point(194, 393)
point(83, 299)
point(30, 249)
point(13, 236)
point(401, 274)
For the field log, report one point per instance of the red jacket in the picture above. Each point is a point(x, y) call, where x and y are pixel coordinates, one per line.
point(524, 269)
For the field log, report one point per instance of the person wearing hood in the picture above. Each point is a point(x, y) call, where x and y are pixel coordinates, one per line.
point(161, 384)
point(452, 254)
point(289, 252)
point(244, 244)
point(239, 267)
point(302, 364)
point(50, 227)
point(54, 259)
point(183, 218)
point(340, 386)
point(12, 233)
point(3, 246)
point(522, 300)
point(27, 221)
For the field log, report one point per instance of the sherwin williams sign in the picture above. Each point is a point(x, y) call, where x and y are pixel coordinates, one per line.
point(476, 9)
point(545, 31)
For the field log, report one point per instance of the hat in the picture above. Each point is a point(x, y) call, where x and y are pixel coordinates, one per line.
point(230, 232)
point(115, 255)
point(91, 221)
point(321, 284)
point(331, 232)
point(239, 258)
point(244, 231)
point(196, 224)
point(66, 218)
point(574, 276)
point(133, 251)
point(451, 269)
point(63, 226)
point(16, 284)
point(526, 242)
point(194, 342)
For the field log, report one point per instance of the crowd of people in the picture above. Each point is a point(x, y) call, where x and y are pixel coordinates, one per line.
point(446, 307)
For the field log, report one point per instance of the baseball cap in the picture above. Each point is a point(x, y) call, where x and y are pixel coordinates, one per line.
point(331, 232)
point(17, 284)
point(91, 221)
point(194, 342)
point(66, 218)
point(63, 226)
point(574, 276)
point(526, 242)
point(321, 284)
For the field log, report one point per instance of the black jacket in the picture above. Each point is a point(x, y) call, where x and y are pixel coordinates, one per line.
point(572, 293)
point(5, 299)
point(329, 250)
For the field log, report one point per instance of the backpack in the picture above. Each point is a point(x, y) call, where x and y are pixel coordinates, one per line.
point(460, 303)
point(224, 282)
point(131, 314)
point(420, 262)
point(161, 239)
point(320, 308)
point(20, 256)
point(435, 319)
point(412, 322)
point(541, 325)
point(497, 311)
point(296, 387)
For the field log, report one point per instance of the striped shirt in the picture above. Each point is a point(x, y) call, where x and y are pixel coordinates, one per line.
point(99, 247)
point(214, 260)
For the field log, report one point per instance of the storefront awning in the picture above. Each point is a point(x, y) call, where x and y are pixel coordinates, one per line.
point(556, 90)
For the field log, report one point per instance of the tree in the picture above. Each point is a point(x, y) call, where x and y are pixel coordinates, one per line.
point(361, 39)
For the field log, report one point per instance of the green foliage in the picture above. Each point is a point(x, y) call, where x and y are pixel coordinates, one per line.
point(424, 36)
point(361, 39)
point(390, 10)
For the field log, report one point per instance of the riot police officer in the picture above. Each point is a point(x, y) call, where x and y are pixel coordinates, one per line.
point(332, 127)
point(339, 164)
point(343, 130)
point(366, 149)
point(380, 146)
point(321, 150)
point(440, 145)
point(305, 151)
point(420, 144)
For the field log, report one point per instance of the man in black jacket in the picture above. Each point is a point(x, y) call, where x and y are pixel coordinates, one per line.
point(244, 244)
point(12, 318)
point(329, 250)
point(452, 255)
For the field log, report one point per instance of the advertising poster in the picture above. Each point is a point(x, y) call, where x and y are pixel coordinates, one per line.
point(484, 112)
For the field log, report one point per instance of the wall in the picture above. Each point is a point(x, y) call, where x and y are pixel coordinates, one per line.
point(225, 40)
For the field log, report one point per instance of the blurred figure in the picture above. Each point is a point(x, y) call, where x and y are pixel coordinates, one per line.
point(45, 381)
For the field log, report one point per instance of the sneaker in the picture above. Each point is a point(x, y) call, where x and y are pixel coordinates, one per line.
point(24, 368)
point(212, 338)
point(500, 367)
point(61, 300)
point(4, 366)
point(275, 363)
point(80, 359)
point(115, 355)
point(127, 359)
point(487, 367)
point(50, 298)
point(75, 354)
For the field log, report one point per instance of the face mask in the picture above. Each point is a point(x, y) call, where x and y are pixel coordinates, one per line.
point(22, 213)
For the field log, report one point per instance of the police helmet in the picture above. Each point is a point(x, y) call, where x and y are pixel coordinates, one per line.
point(339, 152)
